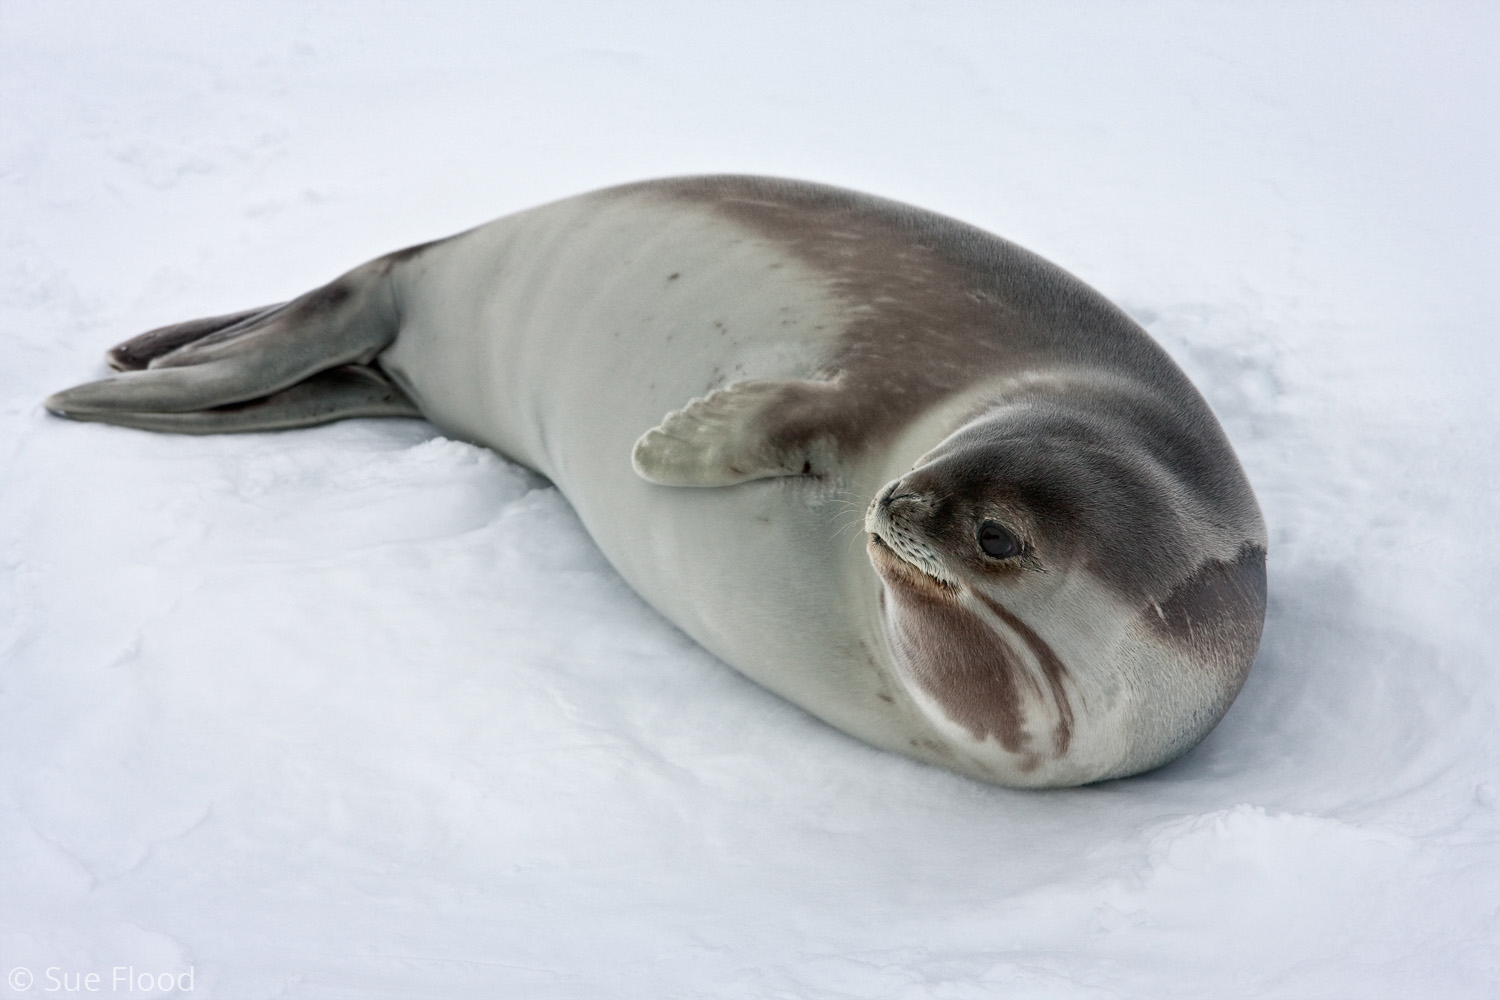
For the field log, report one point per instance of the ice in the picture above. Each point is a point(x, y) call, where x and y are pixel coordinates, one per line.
point(361, 711)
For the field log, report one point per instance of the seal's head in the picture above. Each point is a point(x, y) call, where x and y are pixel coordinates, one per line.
point(1069, 593)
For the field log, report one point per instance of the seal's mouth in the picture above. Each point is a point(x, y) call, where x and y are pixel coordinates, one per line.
point(891, 563)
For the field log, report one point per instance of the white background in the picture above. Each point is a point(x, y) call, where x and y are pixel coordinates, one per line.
point(361, 712)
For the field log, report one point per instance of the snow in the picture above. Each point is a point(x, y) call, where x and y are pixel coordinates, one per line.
point(360, 711)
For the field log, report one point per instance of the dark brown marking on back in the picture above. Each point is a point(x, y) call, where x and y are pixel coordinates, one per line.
point(934, 306)
point(1218, 612)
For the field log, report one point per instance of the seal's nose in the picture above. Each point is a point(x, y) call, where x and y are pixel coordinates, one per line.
point(878, 513)
point(899, 494)
point(897, 501)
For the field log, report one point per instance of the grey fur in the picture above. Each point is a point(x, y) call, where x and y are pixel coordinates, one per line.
point(818, 350)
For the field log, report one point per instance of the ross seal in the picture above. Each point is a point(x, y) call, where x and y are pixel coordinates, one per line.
point(1061, 576)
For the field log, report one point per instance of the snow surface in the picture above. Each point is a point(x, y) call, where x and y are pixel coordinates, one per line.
point(362, 712)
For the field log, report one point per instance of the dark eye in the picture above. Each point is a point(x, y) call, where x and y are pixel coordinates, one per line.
point(996, 541)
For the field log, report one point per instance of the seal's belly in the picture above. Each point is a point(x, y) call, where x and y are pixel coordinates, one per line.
point(599, 316)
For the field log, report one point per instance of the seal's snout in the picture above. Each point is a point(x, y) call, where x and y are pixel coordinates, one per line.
point(892, 502)
point(898, 494)
point(897, 522)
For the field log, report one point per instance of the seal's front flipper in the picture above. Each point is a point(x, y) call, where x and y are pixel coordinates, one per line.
point(337, 394)
point(750, 430)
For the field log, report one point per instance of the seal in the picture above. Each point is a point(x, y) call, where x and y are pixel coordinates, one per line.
point(1061, 576)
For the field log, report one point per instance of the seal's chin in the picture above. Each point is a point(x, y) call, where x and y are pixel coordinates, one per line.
point(897, 569)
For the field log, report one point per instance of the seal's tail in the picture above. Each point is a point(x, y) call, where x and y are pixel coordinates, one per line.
point(139, 351)
point(304, 362)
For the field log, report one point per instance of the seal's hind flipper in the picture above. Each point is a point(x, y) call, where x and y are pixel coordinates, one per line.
point(139, 351)
point(759, 429)
point(337, 394)
point(219, 362)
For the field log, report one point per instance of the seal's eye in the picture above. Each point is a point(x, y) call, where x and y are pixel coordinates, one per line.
point(996, 541)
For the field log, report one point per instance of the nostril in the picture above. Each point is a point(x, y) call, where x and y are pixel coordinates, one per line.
point(890, 502)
